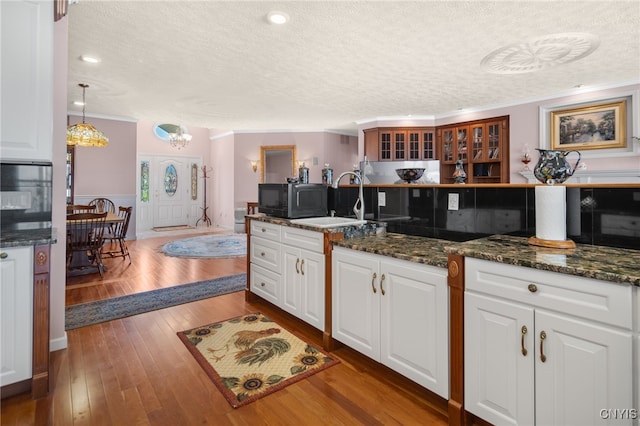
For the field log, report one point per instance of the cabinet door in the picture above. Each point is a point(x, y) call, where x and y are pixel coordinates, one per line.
point(385, 145)
point(291, 286)
point(399, 146)
point(449, 152)
point(413, 145)
point(355, 301)
point(587, 367)
point(16, 314)
point(478, 143)
point(499, 360)
point(428, 145)
point(414, 323)
point(27, 79)
point(312, 284)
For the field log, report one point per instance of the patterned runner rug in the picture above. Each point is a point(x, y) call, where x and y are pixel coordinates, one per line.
point(84, 314)
point(251, 356)
point(219, 245)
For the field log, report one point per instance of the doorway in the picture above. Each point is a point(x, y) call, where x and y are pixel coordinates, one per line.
point(169, 191)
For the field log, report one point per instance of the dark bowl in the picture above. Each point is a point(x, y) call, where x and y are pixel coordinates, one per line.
point(410, 175)
point(293, 180)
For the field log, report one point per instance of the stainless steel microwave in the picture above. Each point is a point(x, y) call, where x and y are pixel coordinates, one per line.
point(292, 200)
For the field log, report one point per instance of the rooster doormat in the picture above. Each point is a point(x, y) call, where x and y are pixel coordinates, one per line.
point(251, 356)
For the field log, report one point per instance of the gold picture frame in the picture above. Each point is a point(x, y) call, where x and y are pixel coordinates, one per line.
point(595, 126)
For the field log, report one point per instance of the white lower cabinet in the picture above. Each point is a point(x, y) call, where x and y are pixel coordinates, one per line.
point(303, 285)
point(16, 314)
point(528, 364)
point(288, 269)
point(395, 312)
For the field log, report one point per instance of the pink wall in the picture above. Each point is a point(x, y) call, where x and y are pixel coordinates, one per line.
point(224, 180)
point(338, 150)
point(524, 125)
point(108, 171)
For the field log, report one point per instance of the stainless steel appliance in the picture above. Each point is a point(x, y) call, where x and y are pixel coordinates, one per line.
point(384, 172)
point(292, 200)
point(25, 195)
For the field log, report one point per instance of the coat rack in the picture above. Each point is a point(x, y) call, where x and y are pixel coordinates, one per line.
point(205, 218)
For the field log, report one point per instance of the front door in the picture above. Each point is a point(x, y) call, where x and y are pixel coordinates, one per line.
point(172, 186)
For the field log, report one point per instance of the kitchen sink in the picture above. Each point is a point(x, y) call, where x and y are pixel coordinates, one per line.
point(328, 221)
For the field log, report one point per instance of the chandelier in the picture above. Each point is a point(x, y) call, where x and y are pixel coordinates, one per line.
point(179, 139)
point(84, 134)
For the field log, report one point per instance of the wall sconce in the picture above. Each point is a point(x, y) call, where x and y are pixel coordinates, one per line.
point(254, 165)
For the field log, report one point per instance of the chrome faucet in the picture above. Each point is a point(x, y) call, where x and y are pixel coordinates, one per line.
point(358, 207)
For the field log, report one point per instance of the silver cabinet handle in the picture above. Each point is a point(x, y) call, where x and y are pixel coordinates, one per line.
point(297, 265)
point(4, 255)
point(302, 267)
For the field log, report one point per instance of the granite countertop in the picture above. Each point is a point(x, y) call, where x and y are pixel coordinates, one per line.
point(430, 251)
point(28, 237)
point(597, 262)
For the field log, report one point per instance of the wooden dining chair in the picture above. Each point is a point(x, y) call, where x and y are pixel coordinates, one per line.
point(116, 235)
point(103, 205)
point(80, 208)
point(85, 233)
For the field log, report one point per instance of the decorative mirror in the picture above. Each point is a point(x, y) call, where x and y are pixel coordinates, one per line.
point(277, 163)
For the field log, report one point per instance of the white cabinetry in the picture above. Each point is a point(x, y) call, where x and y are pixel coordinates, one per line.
point(395, 312)
point(545, 348)
point(288, 269)
point(303, 283)
point(27, 79)
point(266, 258)
point(16, 314)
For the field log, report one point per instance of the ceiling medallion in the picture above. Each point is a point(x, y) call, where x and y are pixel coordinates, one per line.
point(539, 53)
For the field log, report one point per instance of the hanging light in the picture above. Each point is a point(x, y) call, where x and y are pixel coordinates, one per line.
point(179, 139)
point(84, 134)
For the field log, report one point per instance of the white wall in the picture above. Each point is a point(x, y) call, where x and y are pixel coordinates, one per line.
point(224, 163)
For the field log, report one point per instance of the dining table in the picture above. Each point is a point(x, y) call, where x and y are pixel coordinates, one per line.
point(83, 264)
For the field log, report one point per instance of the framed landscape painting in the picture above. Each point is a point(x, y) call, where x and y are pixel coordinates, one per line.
point(595, 126)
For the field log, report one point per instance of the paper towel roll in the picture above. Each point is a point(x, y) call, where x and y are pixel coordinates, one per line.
point(551, 212)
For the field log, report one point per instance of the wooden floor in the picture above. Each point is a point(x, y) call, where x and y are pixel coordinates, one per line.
point(135, 371)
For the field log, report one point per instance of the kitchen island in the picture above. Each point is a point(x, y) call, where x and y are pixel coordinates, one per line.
point(593, 288)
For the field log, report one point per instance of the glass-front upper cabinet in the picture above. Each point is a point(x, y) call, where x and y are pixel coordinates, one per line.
point(477, 142)
point(447, 146)
point(462, 143)
point(400, 144)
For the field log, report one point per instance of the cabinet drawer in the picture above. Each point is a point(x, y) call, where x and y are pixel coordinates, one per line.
point(602, 301)
point(265, 283)
point(266, 253)
point(302, 238)
point(265, 230)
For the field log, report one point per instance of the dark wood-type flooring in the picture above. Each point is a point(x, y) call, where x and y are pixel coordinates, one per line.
point(135, 371)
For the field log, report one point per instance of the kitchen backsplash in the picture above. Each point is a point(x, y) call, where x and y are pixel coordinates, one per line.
point(599, 216)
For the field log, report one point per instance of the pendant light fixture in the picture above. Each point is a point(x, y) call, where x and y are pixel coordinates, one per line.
point(179, 139)
point(84, 134)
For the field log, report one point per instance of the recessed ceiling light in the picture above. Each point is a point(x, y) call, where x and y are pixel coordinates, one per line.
point(78, 103)
point(89, 59)
point(277, 18)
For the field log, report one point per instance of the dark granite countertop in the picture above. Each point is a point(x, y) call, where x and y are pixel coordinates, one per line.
point(28, 237)
point(597, 262)
point(601, 263)
point(430, 251)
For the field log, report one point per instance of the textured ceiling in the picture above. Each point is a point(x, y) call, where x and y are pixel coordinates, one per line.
point(220, 65)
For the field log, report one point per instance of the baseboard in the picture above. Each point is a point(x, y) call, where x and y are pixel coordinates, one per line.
point(58, 344)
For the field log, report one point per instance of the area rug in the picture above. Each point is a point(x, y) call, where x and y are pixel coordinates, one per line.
point(251, 356)
point(218, 245)
point(84, 314)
